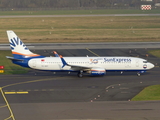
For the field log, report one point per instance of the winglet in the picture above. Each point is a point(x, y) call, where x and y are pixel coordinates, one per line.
point(56, 54)
point(63, 61)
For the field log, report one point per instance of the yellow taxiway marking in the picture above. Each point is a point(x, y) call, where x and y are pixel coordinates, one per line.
point(9, 92)
point(3, 106)
point(92, 52)
point(32, 81)
point(22, 92)
point(5, 99)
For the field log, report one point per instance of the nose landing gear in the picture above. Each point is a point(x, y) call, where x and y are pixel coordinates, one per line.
point(138, 74)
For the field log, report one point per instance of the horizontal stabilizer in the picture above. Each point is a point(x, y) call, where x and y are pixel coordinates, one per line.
point(12, 58)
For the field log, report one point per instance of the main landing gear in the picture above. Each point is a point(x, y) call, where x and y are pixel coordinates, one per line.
point(80, 74)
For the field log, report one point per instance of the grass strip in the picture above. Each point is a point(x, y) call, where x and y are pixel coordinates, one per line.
point(78, 12)
point(82, 29)
point(155, 52)
point(149, 93)
point(9, 67)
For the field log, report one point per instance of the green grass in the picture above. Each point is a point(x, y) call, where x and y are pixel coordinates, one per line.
point(155, 52)
point(9, 67)
point(79, 12)
point(149, 93)
point(83, 29)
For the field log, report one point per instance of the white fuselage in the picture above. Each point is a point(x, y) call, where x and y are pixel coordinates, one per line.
point(108, 63)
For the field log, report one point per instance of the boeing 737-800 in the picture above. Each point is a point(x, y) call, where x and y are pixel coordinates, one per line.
point(95, 66)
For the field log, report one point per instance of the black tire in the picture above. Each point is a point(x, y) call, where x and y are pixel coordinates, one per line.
point(80, 75)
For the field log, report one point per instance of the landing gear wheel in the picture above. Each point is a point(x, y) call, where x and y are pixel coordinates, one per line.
point(80, 75)
point(138, 74)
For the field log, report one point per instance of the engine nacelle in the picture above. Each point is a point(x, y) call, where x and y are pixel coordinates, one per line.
point(97, 71)
point(143, 71)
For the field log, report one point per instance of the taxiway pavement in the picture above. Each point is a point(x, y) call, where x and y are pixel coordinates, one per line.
point(48, 96)
point(93, 15)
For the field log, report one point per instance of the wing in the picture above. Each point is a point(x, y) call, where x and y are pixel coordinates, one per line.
point(77, 67)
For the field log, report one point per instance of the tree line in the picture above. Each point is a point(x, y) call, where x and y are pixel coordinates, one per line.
point(71, 3)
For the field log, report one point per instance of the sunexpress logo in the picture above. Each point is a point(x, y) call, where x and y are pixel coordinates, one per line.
point(94, 61)
point(118, 60)
point(14, 42)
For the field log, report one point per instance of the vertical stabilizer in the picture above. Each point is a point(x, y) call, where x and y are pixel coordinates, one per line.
point(18, 48)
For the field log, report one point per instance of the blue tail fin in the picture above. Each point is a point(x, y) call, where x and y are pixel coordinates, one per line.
point(18, 48)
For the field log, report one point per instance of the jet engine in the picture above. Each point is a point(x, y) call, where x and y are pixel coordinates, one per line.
point(97, 71)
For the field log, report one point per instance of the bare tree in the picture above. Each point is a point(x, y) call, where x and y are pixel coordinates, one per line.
point(65, 3)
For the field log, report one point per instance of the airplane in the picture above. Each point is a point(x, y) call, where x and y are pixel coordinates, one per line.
point(95, 66)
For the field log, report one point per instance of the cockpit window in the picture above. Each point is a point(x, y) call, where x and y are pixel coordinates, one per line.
point(144, 61)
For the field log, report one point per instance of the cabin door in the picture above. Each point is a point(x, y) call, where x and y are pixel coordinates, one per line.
point(34, 63)
point(137, 63)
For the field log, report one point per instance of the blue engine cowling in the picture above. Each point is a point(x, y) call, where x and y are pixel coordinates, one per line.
point(143, 71)
point(97, 71)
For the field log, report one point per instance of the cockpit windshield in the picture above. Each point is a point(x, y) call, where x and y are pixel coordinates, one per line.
point(144, 61)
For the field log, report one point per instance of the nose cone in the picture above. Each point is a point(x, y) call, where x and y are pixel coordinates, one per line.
point(151, 66)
